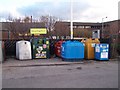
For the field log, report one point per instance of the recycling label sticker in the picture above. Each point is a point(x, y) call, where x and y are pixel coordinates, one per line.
point(104, 55)
point(93, 44)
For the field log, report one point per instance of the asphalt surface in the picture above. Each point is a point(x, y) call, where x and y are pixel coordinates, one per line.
point(84, 75)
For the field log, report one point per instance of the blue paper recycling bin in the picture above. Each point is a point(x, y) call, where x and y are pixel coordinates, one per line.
point(72, 50)
point(101, 51)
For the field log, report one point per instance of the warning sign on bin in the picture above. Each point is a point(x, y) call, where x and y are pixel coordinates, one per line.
point(38, 31)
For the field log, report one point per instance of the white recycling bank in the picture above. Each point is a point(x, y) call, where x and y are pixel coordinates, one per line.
point(23, 50)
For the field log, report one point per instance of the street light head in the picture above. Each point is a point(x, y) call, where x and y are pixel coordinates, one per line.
point(104, 18)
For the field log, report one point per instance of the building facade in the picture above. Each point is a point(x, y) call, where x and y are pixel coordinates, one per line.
point(14, 30)
point(17, 30)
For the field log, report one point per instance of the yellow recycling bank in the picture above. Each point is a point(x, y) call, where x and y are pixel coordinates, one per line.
point(37, 31)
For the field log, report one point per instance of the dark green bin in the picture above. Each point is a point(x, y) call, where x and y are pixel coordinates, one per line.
point(40, 48)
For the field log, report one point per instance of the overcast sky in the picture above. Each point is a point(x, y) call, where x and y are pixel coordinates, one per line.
point(83, 10)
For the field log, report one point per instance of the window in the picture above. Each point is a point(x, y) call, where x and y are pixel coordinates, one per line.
point(74, 26)
point(80, 26)
point(87, 26)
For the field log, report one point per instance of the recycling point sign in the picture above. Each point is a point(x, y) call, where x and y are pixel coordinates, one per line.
point(37, 31)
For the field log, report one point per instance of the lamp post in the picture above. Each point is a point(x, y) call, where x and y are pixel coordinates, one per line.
point(102, 26)
point(71, 20)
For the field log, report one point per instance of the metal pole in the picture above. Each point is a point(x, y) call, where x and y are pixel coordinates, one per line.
point(71, 22)
point(102, 28)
